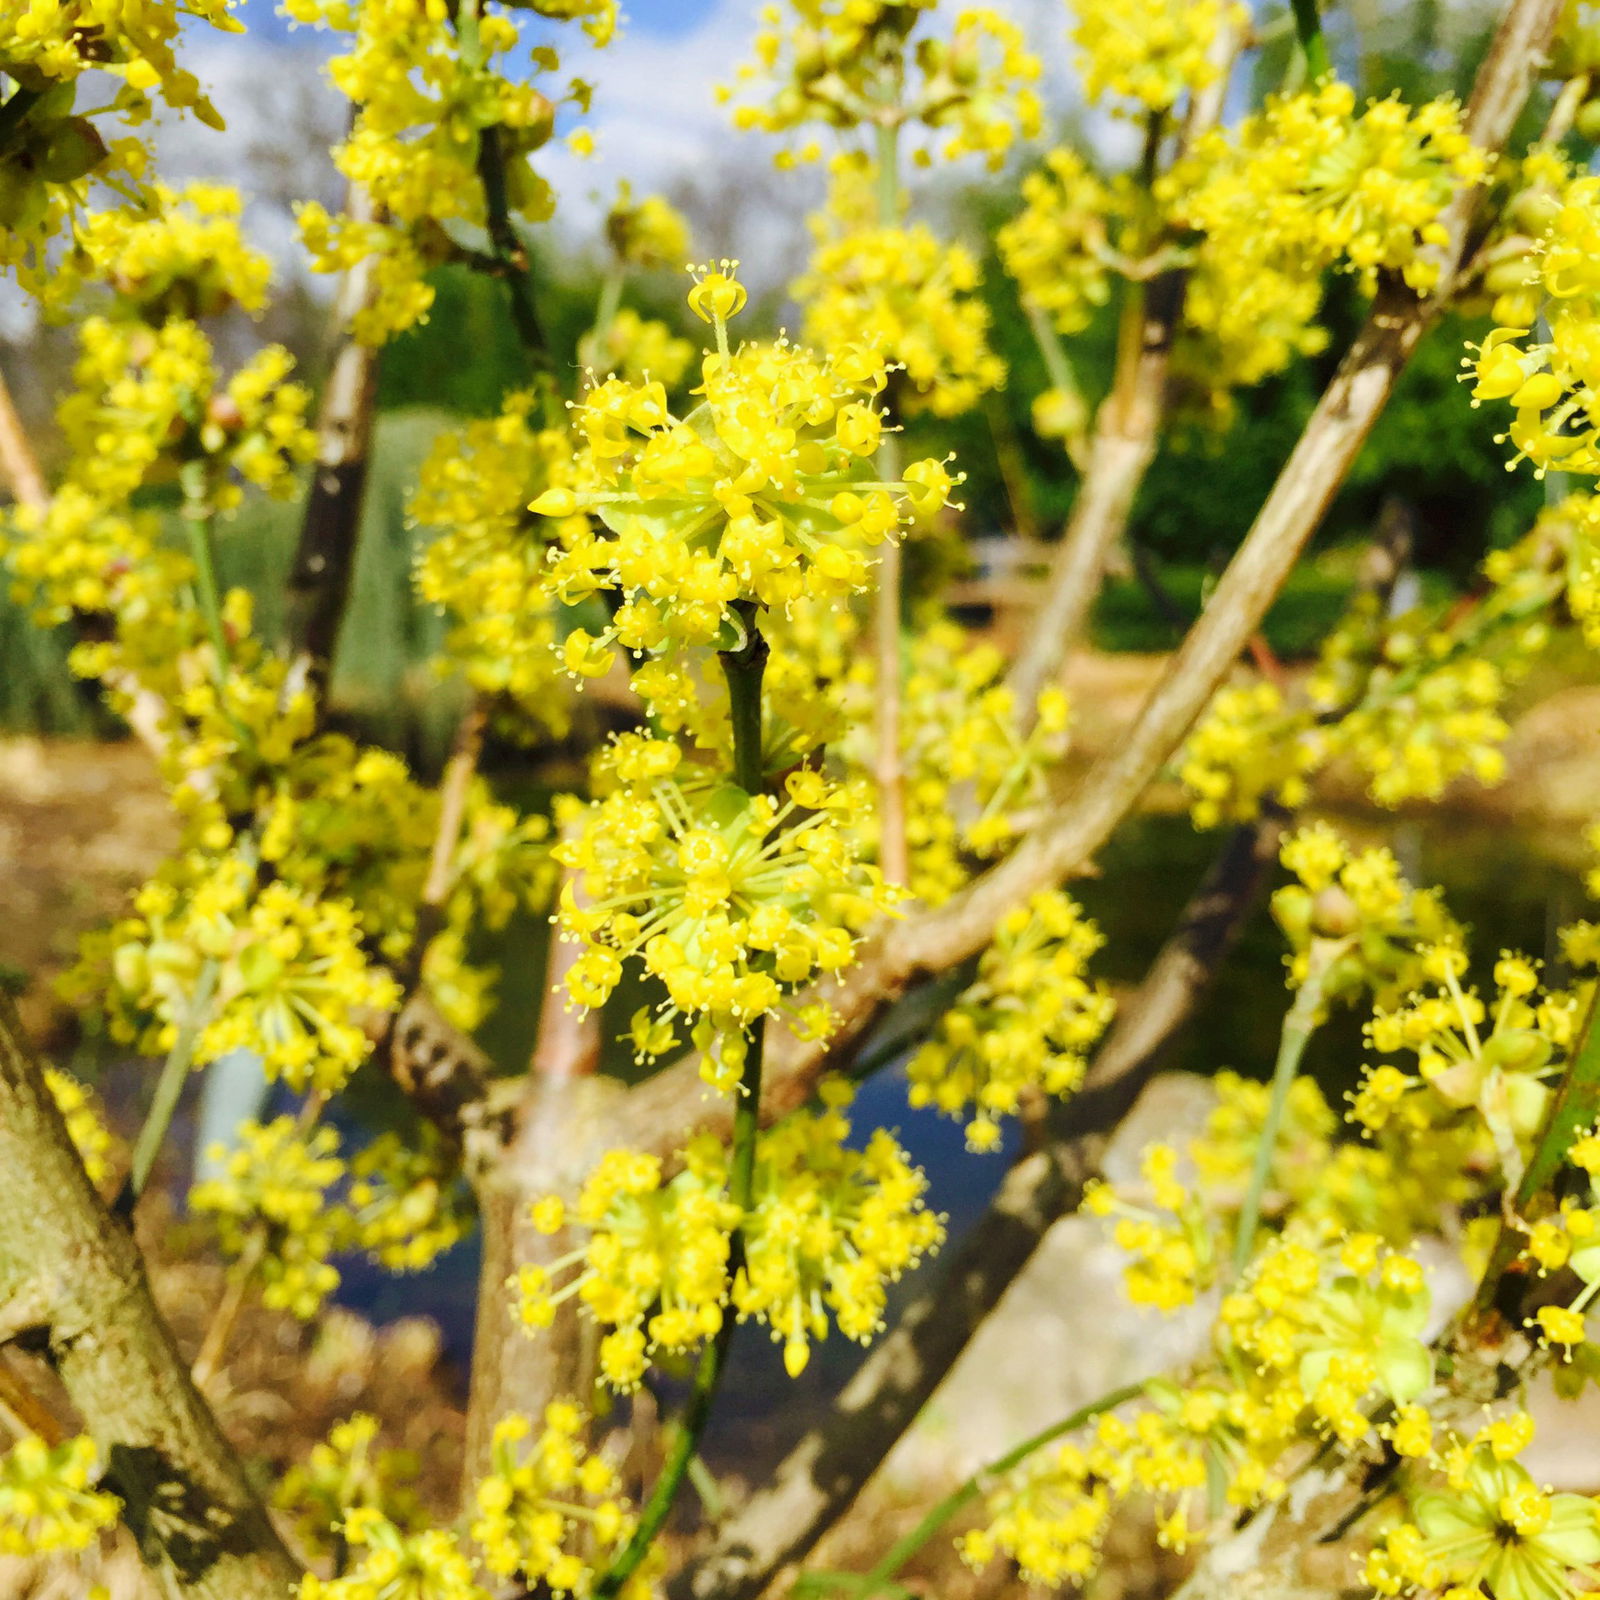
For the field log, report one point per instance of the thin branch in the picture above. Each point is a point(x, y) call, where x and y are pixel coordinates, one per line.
point(1126, 432)
point(824, 1472)
point(185, 1495)
point(324, 560)
point(17, 460)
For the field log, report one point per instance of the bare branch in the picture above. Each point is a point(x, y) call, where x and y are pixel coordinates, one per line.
point(1126, 433)
point(324, 562)
point(185, 1495)
point(823, 1473)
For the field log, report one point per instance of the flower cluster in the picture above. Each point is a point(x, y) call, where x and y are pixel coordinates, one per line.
point(762, 493)
point(971, 775)
point(48, 1498)
point(1358, 897)
point(648, 233)
point(653, 1270)
point(1176, 1231)
point(1414, 701)
point(536, 1504)
point(829, 1227)
point(149, 399)
point(278, 1199)
point(1025, 1024)
point(837, 64)
point(488, 563)
point(89, 1135)
point(1478, 1523)
point(292, 976)
point(1469, 1059)
point(1054, 246)
point(184, 258)
point(431, 88)
point(1307, 183)
point(392, 1564)
point(1317, 1335)
point(1548, 380)
point(901, 294)
point(732, 901)
point(1155, 56)
point(345, 1473)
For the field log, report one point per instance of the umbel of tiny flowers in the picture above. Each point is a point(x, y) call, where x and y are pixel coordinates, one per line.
point(763, 492)
point(826, 1230)
point(733, 901)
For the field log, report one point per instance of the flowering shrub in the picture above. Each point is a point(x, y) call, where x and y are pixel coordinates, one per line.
point(808, 823)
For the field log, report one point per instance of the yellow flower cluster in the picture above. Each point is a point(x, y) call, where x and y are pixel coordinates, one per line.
point(638, 349)
point(395, 1565)
point(732, 901)
point(1318, 1334)
point(763, 492)
point(1025, 1024)
point(276, 1197)
point(1054, 247)
point(1307, 183)
point(1469, 1059)
point(1359, 896)
point(654, 1268)
point(428, 84)
point(344, 1473)
point(148, 399)
point(1414, 701)
point(837, 64)
point(487, 565)
point(1176, 1235)
point(1549, 382)
point(186, 258)
point(650, 233)
point(48, 1500)
point(1478, 1524)
point(534, 1505)
point(901, 294)
point(970, 776)
point(292, 975)
point(829, 1227)
point(45, 42)
point(1250, 747)
point(1155, 55)
point(89, 1135)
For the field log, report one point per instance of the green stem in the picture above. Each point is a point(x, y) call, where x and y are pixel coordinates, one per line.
point(1308, 24)
point(744, 668)
point(606, 311)
point(509, 256)
point(1298, 1026)
point(888, 154)
point(904, 1549)
point(169, 1089)
point(197, 523)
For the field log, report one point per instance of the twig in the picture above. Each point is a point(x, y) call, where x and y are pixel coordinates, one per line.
point(17, 459)
point(330, 527)
point(185, 1495)
point(1126, 431)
